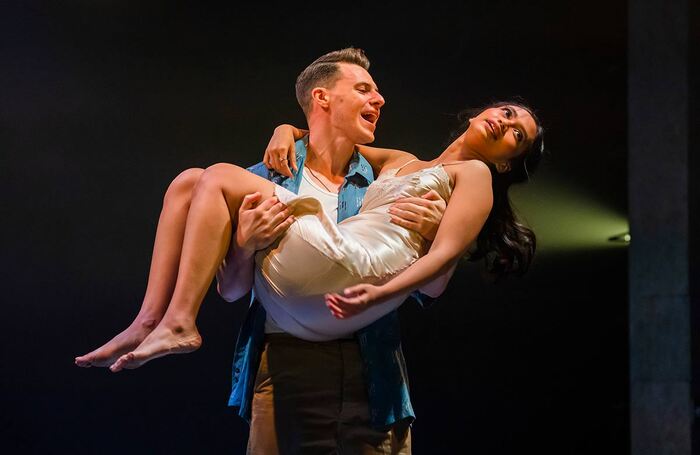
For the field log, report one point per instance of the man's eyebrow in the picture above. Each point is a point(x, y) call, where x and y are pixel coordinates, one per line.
point(368, 85)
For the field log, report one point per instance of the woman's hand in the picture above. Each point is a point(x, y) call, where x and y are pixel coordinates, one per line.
point(356, 299)
point(421, 214)
point(280, 150)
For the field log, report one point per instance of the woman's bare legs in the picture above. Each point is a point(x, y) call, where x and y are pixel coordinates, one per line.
point(167, 248)
point(213, 211)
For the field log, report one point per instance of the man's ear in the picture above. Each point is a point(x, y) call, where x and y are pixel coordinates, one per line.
point(319, 95)
point(503, 167)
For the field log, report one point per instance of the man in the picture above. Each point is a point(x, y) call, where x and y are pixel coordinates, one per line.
point(344, 396)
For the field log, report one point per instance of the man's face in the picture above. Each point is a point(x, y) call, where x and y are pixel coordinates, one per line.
point(354, 104)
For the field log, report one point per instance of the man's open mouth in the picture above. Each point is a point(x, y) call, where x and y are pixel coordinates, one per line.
point(371, 117)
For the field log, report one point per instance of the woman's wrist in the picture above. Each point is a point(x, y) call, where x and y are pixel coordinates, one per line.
point(296, 133)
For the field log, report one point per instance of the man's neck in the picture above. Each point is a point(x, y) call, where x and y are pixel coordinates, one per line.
point(329, 155)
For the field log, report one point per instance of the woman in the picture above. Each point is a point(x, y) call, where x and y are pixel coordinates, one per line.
point(504, 136)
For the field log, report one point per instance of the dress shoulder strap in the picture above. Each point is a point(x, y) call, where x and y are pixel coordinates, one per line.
point(405, 164)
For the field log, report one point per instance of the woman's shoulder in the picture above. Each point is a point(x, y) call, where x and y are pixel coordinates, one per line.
point(470, 169)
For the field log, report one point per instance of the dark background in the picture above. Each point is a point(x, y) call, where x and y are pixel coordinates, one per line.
point(103, 103)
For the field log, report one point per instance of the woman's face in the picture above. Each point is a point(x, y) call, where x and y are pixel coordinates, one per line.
point(499, 134)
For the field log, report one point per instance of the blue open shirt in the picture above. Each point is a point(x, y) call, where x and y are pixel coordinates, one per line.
point(380, 343)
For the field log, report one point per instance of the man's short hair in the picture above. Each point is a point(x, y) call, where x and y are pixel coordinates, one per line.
point(324, 71)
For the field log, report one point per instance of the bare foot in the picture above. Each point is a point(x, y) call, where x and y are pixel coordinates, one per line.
point(161, 342)
point(124, 342)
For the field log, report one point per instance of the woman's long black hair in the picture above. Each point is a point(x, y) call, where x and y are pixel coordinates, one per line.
point(506, 245)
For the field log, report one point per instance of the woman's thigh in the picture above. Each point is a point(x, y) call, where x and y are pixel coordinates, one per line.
point(235, 181)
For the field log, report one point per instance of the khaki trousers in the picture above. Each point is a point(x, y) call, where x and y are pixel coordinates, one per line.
point(310, 398)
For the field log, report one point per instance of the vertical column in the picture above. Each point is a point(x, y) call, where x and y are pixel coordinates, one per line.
point(694, 206)
point(661, 410)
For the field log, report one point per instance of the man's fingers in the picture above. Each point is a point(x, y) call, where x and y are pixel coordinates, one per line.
point(268, 203)
point(424, 200)
point(404, 223)
point(431, 195)
point(405, 214)
point(277, 208)
point(412, 200)
point(250, 200)
point(280, 215)
point(283, 226)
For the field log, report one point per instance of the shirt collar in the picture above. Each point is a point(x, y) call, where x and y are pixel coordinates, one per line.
point(358, 166)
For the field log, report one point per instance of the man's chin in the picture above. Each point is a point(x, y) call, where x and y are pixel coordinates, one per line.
point(366, 138)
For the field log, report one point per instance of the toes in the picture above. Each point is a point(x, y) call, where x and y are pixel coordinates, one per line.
point(83, 362)
point(122, 362)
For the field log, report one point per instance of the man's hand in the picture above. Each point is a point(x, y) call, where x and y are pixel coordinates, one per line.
point(259, 224)
point(421, 214)
point(280, 151)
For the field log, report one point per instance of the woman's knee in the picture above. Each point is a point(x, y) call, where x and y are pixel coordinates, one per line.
point(218, 175)
point(184, 183)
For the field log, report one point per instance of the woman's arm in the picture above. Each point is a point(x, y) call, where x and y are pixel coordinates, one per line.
point(466, 214)
point(422, 215)
point(280, 152)
point(380, 158)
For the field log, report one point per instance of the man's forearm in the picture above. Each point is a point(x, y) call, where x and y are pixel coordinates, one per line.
point(235, 275)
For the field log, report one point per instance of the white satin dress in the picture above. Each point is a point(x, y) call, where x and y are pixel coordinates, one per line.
point(316, 256)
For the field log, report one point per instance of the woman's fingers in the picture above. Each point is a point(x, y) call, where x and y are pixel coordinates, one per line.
point(293, 158)
point(275, 158)
point(283, 166)
point(334, 309)
point(342, 307)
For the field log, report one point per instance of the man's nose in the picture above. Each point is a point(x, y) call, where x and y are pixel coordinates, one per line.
point(378, 100)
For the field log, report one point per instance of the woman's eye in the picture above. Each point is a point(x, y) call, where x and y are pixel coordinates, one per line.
point(508, 112)
point(518, 135)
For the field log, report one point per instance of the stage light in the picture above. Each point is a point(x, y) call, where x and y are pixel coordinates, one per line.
point(565, 218)
point(625, 237)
